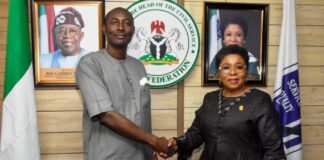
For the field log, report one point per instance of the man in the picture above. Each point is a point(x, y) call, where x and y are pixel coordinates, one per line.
point(68, 35)
point(117, 111)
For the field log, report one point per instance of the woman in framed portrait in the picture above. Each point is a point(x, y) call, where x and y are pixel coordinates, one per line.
point(234, 31)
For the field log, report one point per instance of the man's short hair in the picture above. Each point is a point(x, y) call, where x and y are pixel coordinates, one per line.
point(69, 15)
point(121, 9)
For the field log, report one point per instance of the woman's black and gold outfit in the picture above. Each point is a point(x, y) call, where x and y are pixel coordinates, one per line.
point(244, 128)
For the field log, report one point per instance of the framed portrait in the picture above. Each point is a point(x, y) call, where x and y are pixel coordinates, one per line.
point(245, 25)
point(62, 33)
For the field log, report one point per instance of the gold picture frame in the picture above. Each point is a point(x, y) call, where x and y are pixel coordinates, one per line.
point(58, 44)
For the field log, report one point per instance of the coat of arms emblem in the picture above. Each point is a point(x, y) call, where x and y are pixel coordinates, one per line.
point(158, 46)
point(166, 41)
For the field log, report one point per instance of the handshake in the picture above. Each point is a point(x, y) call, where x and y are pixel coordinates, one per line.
point(164, 148)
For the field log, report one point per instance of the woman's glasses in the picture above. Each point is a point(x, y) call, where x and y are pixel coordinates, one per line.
point(238, 68)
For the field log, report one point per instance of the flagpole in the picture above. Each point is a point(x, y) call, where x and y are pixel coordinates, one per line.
point(287, 91)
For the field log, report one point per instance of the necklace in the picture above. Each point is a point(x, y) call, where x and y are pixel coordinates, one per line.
point(220, 99)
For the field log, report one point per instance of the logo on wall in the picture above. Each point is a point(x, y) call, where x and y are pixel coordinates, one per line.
point(166, 41)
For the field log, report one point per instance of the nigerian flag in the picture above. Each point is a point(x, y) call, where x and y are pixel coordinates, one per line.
point(46, 23)
point(43, 32)
point(19, 133)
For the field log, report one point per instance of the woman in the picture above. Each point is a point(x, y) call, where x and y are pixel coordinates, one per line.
point(234, 31)
point(236, 122)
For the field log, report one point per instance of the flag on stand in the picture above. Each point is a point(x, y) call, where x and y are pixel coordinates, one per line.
point(19, 133)
point(215, 38)
point(286, 92)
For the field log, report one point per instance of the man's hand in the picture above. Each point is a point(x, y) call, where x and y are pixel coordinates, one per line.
point(160, 144)
point(172, 149)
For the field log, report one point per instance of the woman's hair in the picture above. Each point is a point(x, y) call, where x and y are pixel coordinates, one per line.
point(235, 19)
point(229, 50)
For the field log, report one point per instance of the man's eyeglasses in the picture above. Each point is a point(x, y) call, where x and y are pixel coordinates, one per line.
point(238, 68)
point(68, 31)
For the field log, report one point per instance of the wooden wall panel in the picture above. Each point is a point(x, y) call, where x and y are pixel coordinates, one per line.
point(188, 1)
point(310, 14)
point(310, 35)
point(74, 156)
point(3, 24)
point(311, 96)
point(196, 10)
point(201, 52)
point(49, 100)
point(194, 95)
point(111, 5)
point(313, 135)
point(3, 36)
point(307, 76)
point(70, 100)
point(61, 142)
point(310, 2)
point(4, 8)
point(1, 93)
point(306, 35)
point(256, 1)
point(2, 63)
point(189, 115)
point(164, 119)
point(65, 121)
point(307, 55)
point(312, 115)
point(60, 111)
point(195, 77)
point(313, 152)
point(71, 121)
point(166, 133)
point(2, 58)
point(54, 143)
point(1, 80)
point(306, 15)
point(164, 98)
point(307, 2)
point(2, 51)
point(2, 67)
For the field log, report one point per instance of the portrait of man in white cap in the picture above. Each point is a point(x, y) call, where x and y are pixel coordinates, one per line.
point(68, 34)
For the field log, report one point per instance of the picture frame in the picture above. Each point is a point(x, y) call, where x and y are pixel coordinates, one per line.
point(252, 22)
point(62, 33)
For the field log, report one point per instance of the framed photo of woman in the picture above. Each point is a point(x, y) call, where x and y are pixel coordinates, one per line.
point(63, 32)
point(245, 25)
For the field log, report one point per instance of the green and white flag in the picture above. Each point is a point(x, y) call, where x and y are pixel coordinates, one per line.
point(19, 133)
point(43, 32)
